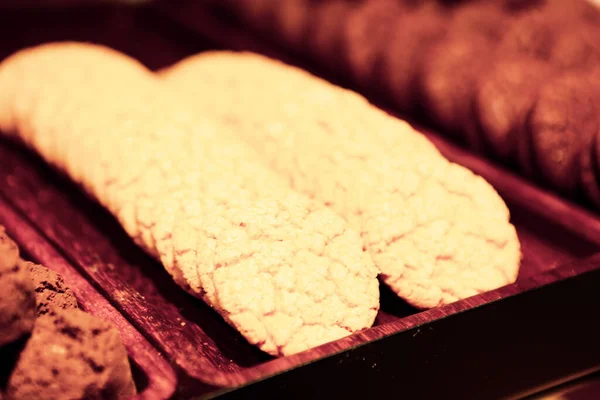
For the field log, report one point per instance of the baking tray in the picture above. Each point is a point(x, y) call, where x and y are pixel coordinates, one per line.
point(516, 340)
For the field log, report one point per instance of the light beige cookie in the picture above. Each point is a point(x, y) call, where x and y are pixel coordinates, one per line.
point(436, 231)
point(282, 269)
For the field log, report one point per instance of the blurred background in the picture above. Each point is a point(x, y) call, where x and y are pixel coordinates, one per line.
point(130, 26)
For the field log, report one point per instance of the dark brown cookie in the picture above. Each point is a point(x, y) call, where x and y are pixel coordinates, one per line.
point(505, 95)
point(366, 33)
point(17, 299)
point(51, 292)
point(402, 60)
point(536, 32)
point(290, 19)
point(532, 34)
point(577, 11)
point(572, 10)
point(488, 19)
point(256, 14)
point(576, 47)
point(519, 6)
point(72, 355)
point(563, 119)
point(448, 80)
point(588, 170)
point(525, 155)
point(324, 32)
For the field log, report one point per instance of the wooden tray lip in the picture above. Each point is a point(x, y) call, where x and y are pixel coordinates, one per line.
point(412, 322)
point(161, 385)
point(522, 390)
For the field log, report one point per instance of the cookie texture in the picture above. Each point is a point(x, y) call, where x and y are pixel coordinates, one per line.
point(504, 97)
point(588, 172)
point(71, 355)
point(284, 270)
point(539, 31)
point(365, 34)
point(325, 30)
point(51, 291)
point(437, 232)
point(401, 62)
point(17, 299)
point(256, 14)
point(448, 79)
point(563, 122)
point(290, 19)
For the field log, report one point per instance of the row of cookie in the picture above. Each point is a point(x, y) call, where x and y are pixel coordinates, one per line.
point(493, 74)
point(285, 270)
point(429, 225)
point(49, 348)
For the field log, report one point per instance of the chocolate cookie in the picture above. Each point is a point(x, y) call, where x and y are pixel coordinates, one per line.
point(505, 94)
point(448, 79)
point(588, 170)
point(488, 19)
point(256, 14)
point(17, 299)
point(532, 34)
point(402, 59)
point(525, 155)
point(72, 355)
point(563, 119)
point(537, 32)
point(366, 32)
point(290, 19)
point(576, 47)
point(324, 32)
point(51, 292)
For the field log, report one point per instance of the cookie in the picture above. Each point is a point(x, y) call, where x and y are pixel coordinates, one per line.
point(448, 79)
point(17, 299)
point(576, 47)
point(436, 231)
point(290, 20)
point(563, 119)
point(51, 292)
point(324, 32)
point(525, 156)
point(505, 94)
point(285, 271)
point(535, 33)
point(365, 35)
point(402, 58)
point(589, 172)
point(72, 355)
point(484, 18)
point(256, 14)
